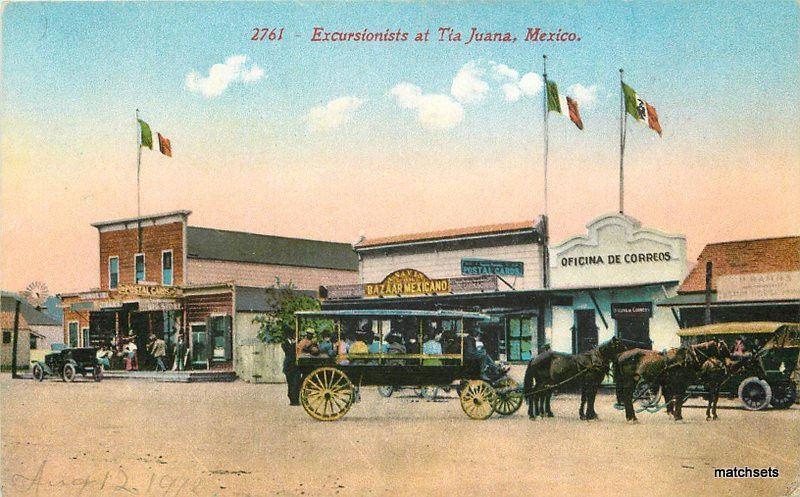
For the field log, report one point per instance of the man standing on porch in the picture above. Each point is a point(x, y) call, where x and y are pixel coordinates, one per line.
point(159, 350)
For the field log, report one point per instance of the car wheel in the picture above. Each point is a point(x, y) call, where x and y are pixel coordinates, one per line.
point(783, 395)
point(38, 372)
point(97, 373)
point(755, 393)
point(69, 372)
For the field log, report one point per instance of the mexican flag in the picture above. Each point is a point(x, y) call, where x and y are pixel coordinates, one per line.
point(640, 110)
point(563, 104)
point(147, 135)
point(164, 145)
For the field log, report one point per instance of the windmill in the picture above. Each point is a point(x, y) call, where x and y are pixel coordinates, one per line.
point(36, 293)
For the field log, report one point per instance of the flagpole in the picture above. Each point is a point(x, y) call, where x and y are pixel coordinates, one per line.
point(546, 222)
point(138, 165)
point(546, 130)
point(623, 122)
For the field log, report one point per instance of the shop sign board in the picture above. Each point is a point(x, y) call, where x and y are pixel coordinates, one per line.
point(407, 282)
point(81, 306)
point(411, 282)
point(631, 310)
point(148, 291)
point(474, 284)
point(343, 292)
point(487, 266)
point(159, 305)
point(758, 286)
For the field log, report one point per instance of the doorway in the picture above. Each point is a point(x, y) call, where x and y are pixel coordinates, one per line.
point(635, 330)
point(199, 346)
point(584, 332)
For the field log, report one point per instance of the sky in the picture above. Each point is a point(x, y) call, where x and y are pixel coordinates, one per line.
point(334, 140)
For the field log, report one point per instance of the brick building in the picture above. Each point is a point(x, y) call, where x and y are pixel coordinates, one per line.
point(158, 275)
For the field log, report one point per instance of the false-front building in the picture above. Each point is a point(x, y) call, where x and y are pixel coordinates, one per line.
point(569, 296)
point(160, 276)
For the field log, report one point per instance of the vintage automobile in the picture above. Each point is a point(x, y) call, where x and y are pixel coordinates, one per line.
point(68, 363)
point(332, 381)
point(763, 376)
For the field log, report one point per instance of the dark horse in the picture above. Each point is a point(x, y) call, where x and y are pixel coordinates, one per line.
point(550, 370)
point(673, 371)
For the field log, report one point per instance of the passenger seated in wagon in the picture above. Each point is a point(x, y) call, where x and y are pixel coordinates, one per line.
point(432, 346)
point(325, 345)
point(307, 346)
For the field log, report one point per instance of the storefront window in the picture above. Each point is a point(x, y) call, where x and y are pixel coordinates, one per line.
point(139, 264)
point(113, 272)
point(220, 328)
point(166, 267)
point(199, 345)
point(519, 339)
point(73, 334)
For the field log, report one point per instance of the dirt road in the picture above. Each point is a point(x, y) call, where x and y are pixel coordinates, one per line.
point(123, 437)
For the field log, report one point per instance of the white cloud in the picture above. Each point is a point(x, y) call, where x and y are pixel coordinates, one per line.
point(220, 76)
point(253, 74)
point(531, 84)
point(434, 110)
point(467, 84)
point(586, 96)
point(503, 72)
point(407, 94)
point(511, 91)
point(333, 114)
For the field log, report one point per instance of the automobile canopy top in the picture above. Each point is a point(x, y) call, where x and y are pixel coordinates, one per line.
point(759, 327)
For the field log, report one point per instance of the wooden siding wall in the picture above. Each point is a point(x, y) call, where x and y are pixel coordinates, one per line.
point(125, 244)
point(82, 317)
point(206, 271)
point(200, 307)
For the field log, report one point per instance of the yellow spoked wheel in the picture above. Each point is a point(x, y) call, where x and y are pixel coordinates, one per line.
point(508, 399)
point(477, 399)
point(327, 394)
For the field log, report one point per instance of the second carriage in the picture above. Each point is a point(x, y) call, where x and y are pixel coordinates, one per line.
point(332, 380)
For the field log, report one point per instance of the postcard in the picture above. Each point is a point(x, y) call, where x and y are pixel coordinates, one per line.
point(399, 248)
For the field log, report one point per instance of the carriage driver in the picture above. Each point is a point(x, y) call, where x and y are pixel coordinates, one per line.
point(478, 356)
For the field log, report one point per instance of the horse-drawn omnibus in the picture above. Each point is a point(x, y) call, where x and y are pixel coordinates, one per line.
point(761, 373)
point(340, 351)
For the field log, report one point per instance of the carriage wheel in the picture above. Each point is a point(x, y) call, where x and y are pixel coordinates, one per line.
point(69, 372)
point(38, 372)
point(477, 399)
point(327, 394)
point(783, 395)
point(509, 400)
point(755, 393)
point(646, 397)
point(385, 391)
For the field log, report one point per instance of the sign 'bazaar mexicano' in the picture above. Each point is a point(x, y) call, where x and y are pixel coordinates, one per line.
point(407, 282)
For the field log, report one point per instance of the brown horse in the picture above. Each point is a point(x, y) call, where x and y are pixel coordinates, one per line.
point(673, 371)
point(550, 370)
point(713, 373)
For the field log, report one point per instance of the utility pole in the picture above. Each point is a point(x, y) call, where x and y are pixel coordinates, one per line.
point(14, 341)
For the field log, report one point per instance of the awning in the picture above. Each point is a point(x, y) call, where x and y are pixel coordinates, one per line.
point(699, 300)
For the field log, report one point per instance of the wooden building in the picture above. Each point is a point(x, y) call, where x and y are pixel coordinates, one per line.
point(159, 276)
